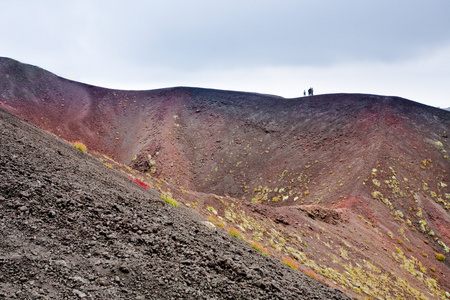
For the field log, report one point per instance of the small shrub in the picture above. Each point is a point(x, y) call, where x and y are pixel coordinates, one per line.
point(220, 225)
point(282, 174)
point(233, 232)
point(446, 248)
point(107, 157)
point(168, 198)
point(211, 209)
point(376, 195)
point(290, 263)
point(80, 146)
point(310, 273)
point(259, 248)
point(439, 257)
point(213, 219)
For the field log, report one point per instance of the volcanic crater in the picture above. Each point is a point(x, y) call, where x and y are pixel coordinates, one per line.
point(349, 189)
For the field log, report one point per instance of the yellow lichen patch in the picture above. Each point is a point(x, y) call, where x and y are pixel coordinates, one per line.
point(371, 282)
point(327, 244)
point(423, 225)
point(372, 267)
point(398, 213)
point(377, 195)
point(438, 143)
point(344, 253)
point(378, 231)
point(419, 212)
point(415, 267)
point(261, 194)
point(374, 172)
point(376, 182)
point(230, 215)
point(212, 209)
point(245, 222)
point(446, 248)
point(295, 238)
point(365, 278)
point(393, 185)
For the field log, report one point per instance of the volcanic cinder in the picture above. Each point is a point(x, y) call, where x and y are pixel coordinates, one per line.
point(352, 188)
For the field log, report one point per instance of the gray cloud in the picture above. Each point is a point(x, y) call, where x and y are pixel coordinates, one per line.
point(289, 33)
point(117, 41)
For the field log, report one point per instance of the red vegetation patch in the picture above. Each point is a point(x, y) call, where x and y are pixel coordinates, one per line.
point(260, 248)
point(290, 262)
point(233, 232)
point(141, 183)
point(310, 273)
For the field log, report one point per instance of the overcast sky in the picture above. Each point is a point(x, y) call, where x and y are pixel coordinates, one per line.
point(399, 47)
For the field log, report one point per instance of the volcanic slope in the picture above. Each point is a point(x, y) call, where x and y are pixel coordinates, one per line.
point(71, 228)
point(352, 187)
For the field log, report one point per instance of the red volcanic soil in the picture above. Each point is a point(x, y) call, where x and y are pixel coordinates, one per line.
point(358, 178)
